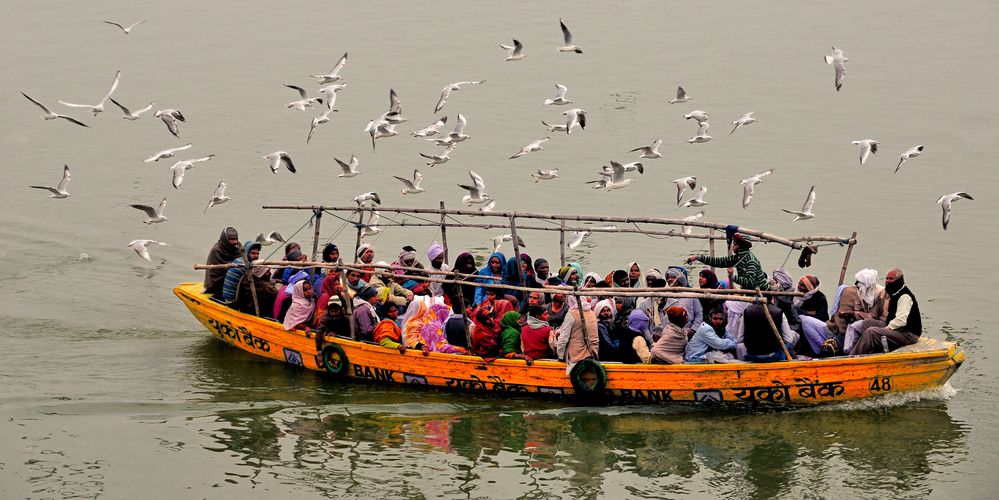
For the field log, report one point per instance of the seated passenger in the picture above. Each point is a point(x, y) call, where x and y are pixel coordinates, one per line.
point(872, 303)
point(261, 284)
point(591, 280)
point(904, 323)
point(557, 310)
point(491, 274)
point(282, 299)
point(710, 339)
point(577, 339)
point(632, 347)
point(437, 269)
point(486, 327)
point(397, 294)
point(464, 263)
point(669, 349)
point(634, 275)
point(334, 322)
point(537, 336)
point(708, 280)
point(234, 275)
point(365, 256)
point(354, 282)
point(292, 253)
point(299, 314)
point(542, 271)
point(761, 342)
point(606, 310)
point(456, 327)
point(677, 277)
point(813, 303)
point(330, 287)
point(224, 251)
point(365, 317)
point(510, 337)
point(783, 282)
point(387, 333)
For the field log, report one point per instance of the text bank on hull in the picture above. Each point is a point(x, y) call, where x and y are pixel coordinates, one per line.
point(925, 365)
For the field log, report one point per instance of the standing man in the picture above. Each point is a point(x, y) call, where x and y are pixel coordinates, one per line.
point(904, 322)
point(749, 273)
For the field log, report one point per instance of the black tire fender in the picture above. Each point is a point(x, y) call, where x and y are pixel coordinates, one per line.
point(335, 360)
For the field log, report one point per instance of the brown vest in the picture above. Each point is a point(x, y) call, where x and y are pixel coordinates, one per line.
point(577, 350)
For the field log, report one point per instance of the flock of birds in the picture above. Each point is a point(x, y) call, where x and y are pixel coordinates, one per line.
point(384, 126)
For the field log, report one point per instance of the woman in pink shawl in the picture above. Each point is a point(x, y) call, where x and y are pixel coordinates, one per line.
point(300, 313)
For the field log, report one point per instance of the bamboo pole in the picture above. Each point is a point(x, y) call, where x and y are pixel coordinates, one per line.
point(561, 244)
point(711, 243)
point(516, 250)
point(253, 292)
point(444, 230)
point(360, 227)
point(773, 326)
point(349, 306)
point(315, 240)
point(464, 322)
point(794, 243)
point(846, 259)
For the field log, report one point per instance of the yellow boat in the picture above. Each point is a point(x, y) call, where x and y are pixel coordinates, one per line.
point(925, 365)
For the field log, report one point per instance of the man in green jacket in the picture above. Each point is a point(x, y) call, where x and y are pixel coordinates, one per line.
point(749, 273)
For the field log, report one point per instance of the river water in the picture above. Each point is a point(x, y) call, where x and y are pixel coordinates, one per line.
point(111, 389)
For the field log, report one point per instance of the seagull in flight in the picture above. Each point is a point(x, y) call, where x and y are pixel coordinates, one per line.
point(498, 241)
point(612, 180)
point(60, 190)
point(628, 167)
point(573, 117)
point(127, 30)
point(379, 129)
point(544, 175)
point(476, 192)
point(181, 167)
point(701, 135)
point(330, 92)
point(446, 92)
point(155, 214)
point(170, 117)
point(910, 153)
point(317, 121)
point(867, 148)
point(432, 129)
point(411, 186)
point(559, 98)
point(488, 207)
point(305, 101)
point(49, 115)
point(748, 185)
point(442, 157)
point(457, 133)
point(533, 146)
point(334, 74)
point(576, 238)
point(349, 169)
point(838, 60)
point(567, 45)
point(371, 226)
point(682, 184)
point(806, 209)
point(554, 128)
point(700, 116)
point(269, 239)
point(681, 96)
point(279, 159)
point(130, 116)
point(688, 230)
point(651, 152)
point(745, 120)
point(219, 197)
point(947, 200)
point(99, 107)
point(697, 200)
point(371, 198)
point(167, 153)
point(140, 247)
point(515, 51)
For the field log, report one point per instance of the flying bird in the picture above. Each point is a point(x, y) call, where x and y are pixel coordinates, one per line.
point(130, 116)
point(476, 192)
point(634, 166)
point(867, 148)
point(533, 146)
point(681, 96)
point(701, 135)
point(745, 120)
point(544, 175)
point(371, 226)
point(305, 101)
point(567, 45)
point(49, 115)
point(498, 241)
point(700, 116)
point(127, 30)
point(910, 153)
point(748, 185)
point(155, 214)
point(457, 133)
point(947, 200)
point(140, 247)
point(411, 186)
point(349, 169)
point(170, 117)
point(682, 184)
point(334, 73)
point(279, 159)
point(576, 238)
point(559, 98)
point(651, 152)
point(167, 153)
point(839, 64)
point(99, 107)
point(697, 200)
point(181, 167)
point(219, 197)
point(432, 129)
point(515, 52)
point(370, 198)
point(554, 128)
point(317, 121)
point(380, 129)
point(441, 158)
point(488, 207)
point(612, 180)
point(60, 190)
point(573, 117)
point(446, 92)
point(270, 239)
point(806, 209)
point(688, 230)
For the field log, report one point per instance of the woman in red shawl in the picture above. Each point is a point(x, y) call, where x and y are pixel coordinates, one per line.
point(486, 319)
point(331, 287)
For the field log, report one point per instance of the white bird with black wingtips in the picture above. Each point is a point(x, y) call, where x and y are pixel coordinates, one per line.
point(181, 167)
point(270, 239)
point(545, 175)
point(838, 60)
point(681, 96)
point(411, 186)
point(279, 159)
point(682, 184)
point(334, 74)
point(369, 199)
point(530, 148)
point(806, 209)
point(50, 115)
point(155, 214)
point(698, 199)
point(60, 191)
point(746, 119)
point(576, 238)
point(868, 147)
point(140, 247)
point(99, 107)
point(305, 101)
point(559, 98)
point(349, 169)
point(515, 52)
point(170, 118)
point(688, 230)
point(446, 92)
point(697, 114)
point(701, 135)
point(947, 200)
point(441, 158)
point(432, 129)
point(126, 29)
point(909, 154)
point(167, 153)
point(219, 197)
point(317, 121)
point(749, 185)
point(650, 152)
point(476, 192)
point(573, 117)
point(129, 115)
point(567, 45)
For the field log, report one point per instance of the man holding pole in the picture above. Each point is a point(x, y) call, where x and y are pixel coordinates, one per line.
point(749, 273)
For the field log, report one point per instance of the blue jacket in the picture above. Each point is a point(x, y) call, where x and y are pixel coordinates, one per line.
point(704, 340)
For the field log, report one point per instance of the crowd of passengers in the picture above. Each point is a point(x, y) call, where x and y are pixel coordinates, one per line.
point(391, 308)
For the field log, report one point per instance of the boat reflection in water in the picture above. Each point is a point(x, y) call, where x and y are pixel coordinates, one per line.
point(353, 440)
